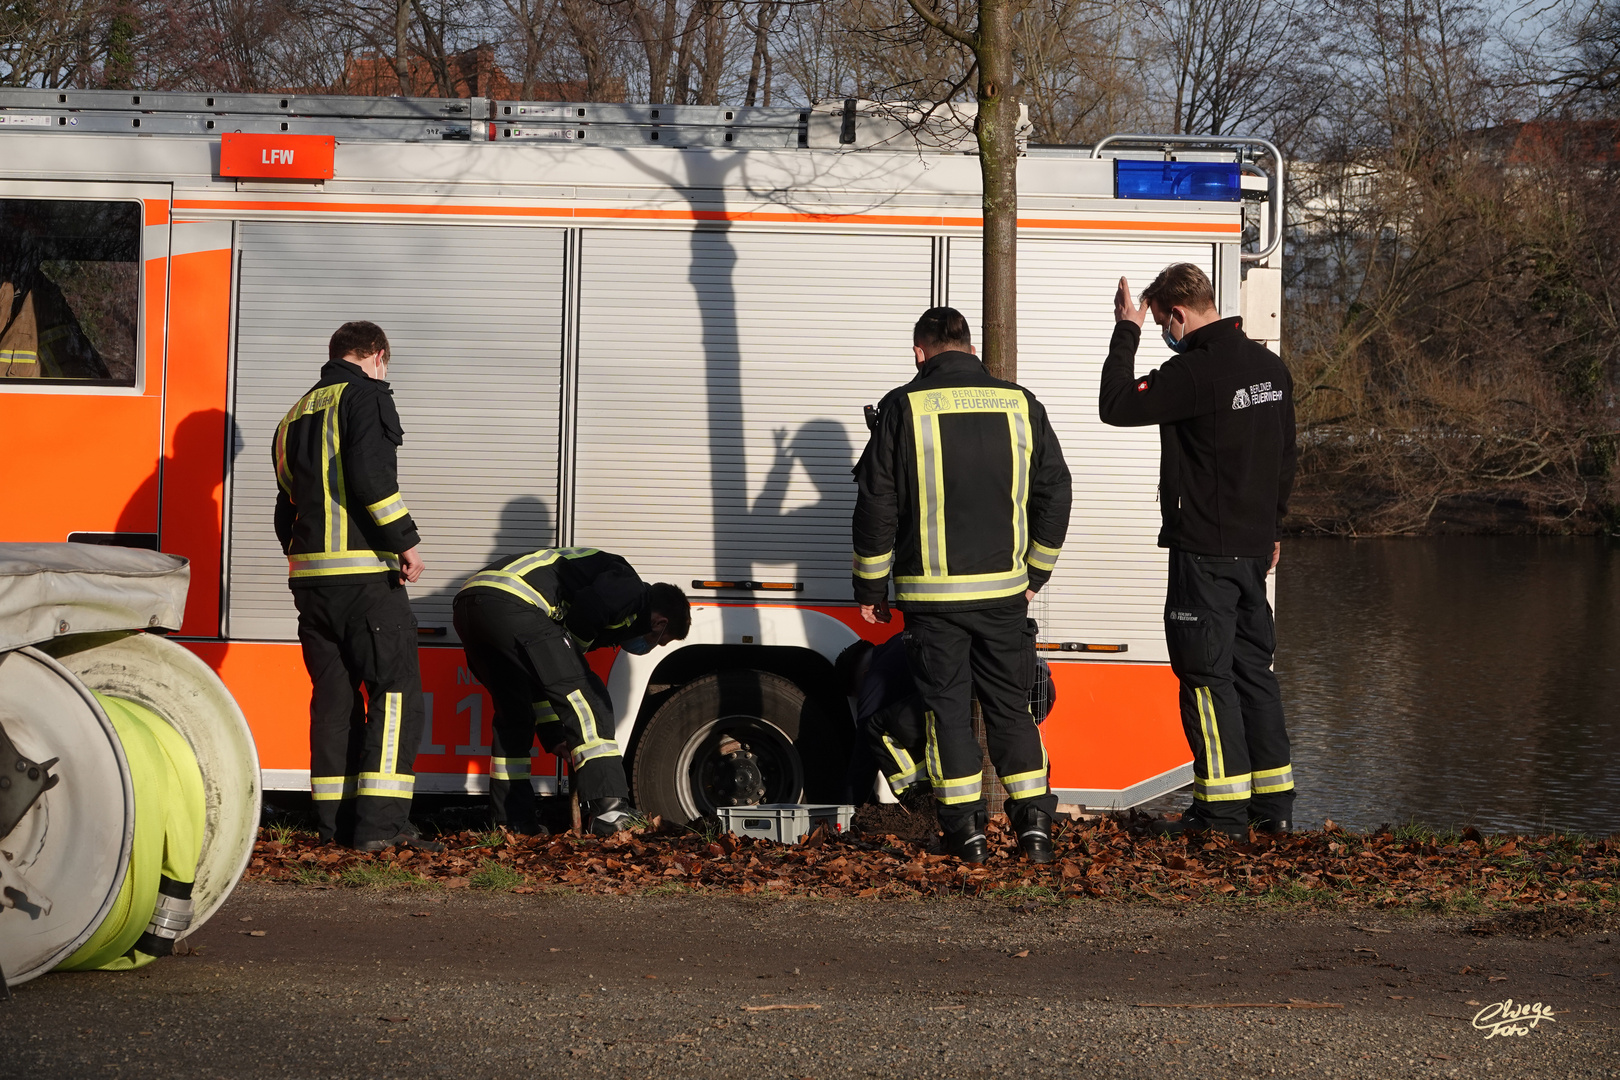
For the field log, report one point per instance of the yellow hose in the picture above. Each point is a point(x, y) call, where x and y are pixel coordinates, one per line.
point(170, 811)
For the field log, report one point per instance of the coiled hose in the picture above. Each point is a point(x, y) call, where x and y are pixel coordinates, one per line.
point(154, 903)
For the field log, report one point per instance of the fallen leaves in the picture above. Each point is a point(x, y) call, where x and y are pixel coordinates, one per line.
point(1102, 859)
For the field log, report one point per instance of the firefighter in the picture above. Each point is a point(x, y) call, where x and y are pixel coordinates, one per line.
point(526, 623)
point(351, 546)
point(1225, 409)
point(889, 716)
point(963, 496)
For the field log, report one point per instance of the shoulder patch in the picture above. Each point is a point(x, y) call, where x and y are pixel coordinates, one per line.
point(1143, 385)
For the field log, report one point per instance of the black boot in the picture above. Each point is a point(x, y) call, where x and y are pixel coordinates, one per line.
point(1269, 827)
point(1193, 823)
point(1035, 836)
point(609, 815)
point(967, 841)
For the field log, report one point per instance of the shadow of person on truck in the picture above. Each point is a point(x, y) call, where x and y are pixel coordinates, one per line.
point(188, 480)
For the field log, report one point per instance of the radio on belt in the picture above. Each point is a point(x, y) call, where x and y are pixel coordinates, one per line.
point(277, 156)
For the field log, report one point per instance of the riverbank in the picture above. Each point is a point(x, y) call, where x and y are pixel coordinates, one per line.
point(1462, 873)
point(293, 980)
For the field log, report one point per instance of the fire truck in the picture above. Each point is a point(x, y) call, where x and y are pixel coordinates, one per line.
point(646, 329)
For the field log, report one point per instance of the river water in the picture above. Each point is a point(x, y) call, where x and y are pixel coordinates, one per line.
point(1451, 681)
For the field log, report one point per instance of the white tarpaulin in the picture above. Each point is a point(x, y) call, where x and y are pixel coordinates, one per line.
point(47, 590)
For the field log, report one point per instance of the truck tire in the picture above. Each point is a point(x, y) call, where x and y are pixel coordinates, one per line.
point(733, 738)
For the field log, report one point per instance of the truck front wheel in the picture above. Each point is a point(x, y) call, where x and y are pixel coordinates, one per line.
point(726, 739)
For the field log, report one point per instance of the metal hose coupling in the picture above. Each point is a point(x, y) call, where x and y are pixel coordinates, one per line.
point(171, 918)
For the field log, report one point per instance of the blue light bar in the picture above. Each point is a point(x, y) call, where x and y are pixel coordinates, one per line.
point(1199, 181)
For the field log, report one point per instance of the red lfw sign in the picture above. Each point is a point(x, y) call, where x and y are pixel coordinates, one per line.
point(286, 157)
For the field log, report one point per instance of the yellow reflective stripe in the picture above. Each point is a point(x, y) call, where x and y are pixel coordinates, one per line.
point(931, 494)
point(591, 745)
point(936, 771)
point(1018, 429)
point(283, 472)
point(960, 789)
point(19, 356)
point(545, 714)
point(332, 788)
point(387, 785)
point(1226, 789)
point(393, 707)
point(387, 510)
point(337, 516)
point(509, 582)
point(1214, 757)
point(1268, 780)
point(509, 768)
point(1026, 785)
point(1042, 557)
point(873, 566)
point(326, 564)
point(909, 771)
point(960, 586)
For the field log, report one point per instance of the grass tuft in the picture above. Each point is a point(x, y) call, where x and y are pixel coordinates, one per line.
point(495, 877)
point(380, 874)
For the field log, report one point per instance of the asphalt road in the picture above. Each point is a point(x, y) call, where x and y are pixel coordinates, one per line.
point(297, 982)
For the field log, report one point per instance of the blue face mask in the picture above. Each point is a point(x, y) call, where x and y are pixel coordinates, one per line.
point(1176, 344)
point(637, 646)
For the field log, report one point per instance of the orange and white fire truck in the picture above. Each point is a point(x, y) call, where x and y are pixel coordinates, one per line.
point(648, 329)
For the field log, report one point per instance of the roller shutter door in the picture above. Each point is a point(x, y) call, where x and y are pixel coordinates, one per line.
point(1109, 584)
point(474, 316)
point(721, 380)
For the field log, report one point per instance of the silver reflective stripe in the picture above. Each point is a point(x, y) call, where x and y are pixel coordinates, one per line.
point(393, 705)
point(601, 748)
point(359, 560)
point(873, 566)
point(1020, 448)
point(508, 582)
point(396, 785)
point(1042, 557)
point(1235, 787)
point(919, 587)
point(336, 515)
point(323, 788)
point(967, 787)
point(502, 768)
point(1034, 785)
point(390, 509)
point(933, 523)
point(171, 917)
point(1270, 780)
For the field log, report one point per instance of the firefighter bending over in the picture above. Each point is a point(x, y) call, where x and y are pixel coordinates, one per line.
point(349, 541)
point(964, 498)
point(890, 717)
point(526, 623)
point(1225, 409)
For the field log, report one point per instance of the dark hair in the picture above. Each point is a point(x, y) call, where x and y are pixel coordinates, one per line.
point(1180, 285)
point(848, 663)
point(942, 326)
point(668, 600)
point(359, 338)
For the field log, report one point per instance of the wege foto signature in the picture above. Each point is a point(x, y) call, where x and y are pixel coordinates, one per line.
point(1505, 1018)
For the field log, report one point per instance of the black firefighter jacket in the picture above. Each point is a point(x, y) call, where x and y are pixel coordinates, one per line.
point(963, 492)
point(339, 514)
point(597, 595)
point(1225, 410)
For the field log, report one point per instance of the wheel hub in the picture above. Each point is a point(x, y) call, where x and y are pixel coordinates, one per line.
point(737, 779)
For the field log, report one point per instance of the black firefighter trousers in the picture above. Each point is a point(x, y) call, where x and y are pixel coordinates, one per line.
point(991, 650)
point(362, 747)
point(541, 686)
point(1219, 629)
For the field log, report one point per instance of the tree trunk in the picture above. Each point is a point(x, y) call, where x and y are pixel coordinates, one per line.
point(997, 130)
point(402, 60)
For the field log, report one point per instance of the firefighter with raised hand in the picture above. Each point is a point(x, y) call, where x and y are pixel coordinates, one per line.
point(1225, 409)
point(964, 499)
point(351, 545)
point(526, 623)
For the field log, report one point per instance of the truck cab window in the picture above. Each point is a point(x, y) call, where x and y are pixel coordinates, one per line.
point(70, 273)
